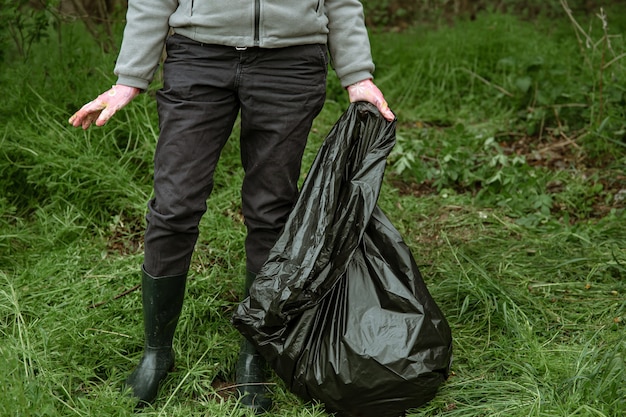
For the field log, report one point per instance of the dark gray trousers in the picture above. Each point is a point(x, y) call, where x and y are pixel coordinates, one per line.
point(278, 92)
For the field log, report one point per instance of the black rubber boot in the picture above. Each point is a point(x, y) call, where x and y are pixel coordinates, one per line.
point(162, 303)
point(252, 372)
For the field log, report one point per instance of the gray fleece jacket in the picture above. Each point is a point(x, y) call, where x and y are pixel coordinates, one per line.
point(245, 23)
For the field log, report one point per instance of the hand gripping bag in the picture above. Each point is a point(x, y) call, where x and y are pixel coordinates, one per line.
point(340, 310)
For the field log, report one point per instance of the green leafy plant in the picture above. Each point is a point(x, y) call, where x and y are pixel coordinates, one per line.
point(25, 23)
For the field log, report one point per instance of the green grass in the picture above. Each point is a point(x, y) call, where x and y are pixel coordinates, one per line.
point(510, 198)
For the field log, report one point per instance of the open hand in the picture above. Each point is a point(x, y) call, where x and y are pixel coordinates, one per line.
point(104, 106)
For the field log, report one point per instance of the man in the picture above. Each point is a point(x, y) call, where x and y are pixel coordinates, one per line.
point(265, 60)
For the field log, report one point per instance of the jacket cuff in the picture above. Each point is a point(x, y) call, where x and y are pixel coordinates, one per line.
point(355, 77)
point(130, 81)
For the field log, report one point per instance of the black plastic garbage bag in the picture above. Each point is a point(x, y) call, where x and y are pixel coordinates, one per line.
point(340, 310)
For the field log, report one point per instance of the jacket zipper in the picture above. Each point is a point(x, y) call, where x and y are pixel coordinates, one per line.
point(257, 18)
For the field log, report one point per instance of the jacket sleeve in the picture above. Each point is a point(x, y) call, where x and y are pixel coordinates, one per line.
point(348, 41)
point(147, 25)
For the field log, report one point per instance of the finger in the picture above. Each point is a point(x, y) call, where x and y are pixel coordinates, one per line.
point(105, 115)
point(93, 106)
point(383, 108)
point(89, 119)
point(74, 120)
point(388, 114)
point(78, 118)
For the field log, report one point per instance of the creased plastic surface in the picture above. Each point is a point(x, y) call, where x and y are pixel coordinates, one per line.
point(340, 310)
